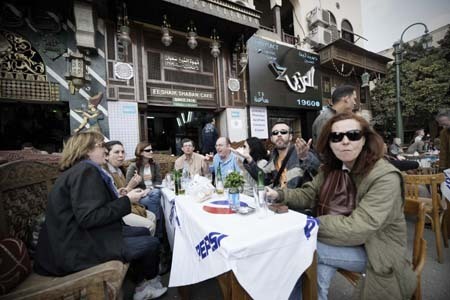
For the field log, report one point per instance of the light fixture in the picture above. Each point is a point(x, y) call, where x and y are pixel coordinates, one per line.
point(179, 122)
point(190, 115)
point(215, 44)
point(183, 118)
point(365, 77)
point(166, 38)
point(243, 57)
point(124, 29)
point(192, 36)
point(76, 73)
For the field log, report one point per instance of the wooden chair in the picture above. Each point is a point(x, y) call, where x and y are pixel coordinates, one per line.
point(24, 186)
point(419, 247)
point(434, 209)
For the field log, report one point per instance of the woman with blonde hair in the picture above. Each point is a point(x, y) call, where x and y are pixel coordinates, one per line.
point(83, 225)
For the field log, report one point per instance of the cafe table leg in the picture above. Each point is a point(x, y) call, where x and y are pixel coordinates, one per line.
point(309, 286)
point(184, 292)
point(231, 289)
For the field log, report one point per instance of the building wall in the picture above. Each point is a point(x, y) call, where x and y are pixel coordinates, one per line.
point(348, 9)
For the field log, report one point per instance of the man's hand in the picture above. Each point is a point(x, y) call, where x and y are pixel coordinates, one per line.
point(302, 148)
point(271, 195)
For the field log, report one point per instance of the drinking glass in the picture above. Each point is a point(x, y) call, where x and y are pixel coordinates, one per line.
point(169, 181)
point(259, 194)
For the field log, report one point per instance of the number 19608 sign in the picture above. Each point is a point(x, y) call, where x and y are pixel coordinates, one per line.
point(310, 103)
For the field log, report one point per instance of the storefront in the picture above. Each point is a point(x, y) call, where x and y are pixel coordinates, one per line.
point(285, 85)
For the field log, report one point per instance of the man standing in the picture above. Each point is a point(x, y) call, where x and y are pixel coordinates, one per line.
point(289, 165)
point(343, 100)
point(443, 118)
point(209, 137)
point(194, 162)
point(224, 157)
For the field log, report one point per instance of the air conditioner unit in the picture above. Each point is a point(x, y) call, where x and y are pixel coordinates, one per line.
point(318, 16)
point(320, 36)
point(334, 32)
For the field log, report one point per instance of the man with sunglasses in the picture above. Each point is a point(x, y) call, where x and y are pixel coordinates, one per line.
point(343, 100)
point(290, 165)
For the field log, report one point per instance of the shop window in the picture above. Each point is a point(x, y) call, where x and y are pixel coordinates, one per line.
point(347, 31)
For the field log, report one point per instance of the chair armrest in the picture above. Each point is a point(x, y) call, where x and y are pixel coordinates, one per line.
point(103, 281)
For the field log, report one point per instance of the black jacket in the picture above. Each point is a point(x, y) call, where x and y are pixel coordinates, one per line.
point(83, 226)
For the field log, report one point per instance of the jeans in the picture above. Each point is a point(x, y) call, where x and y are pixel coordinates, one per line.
point(329, 259)
point(153, 203)
point(141, 250)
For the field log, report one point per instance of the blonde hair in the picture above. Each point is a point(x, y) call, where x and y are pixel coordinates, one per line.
point(77, 147)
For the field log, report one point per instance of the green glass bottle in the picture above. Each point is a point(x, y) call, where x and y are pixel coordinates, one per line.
point(219, 181)
point(176, 177)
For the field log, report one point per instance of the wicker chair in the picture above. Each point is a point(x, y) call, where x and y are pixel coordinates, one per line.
point(24, 186)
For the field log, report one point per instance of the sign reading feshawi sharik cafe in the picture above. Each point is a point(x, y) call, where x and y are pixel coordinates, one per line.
point(283, 76)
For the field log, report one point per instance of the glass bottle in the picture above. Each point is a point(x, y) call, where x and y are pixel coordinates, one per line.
point(219, 181)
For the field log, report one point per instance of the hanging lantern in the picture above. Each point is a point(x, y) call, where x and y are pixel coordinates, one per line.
point(192, 36)
point(124, 29)
point(215, 44)
point(76, 74)
point(243, 57)
point(365, 77)
point(166, 38)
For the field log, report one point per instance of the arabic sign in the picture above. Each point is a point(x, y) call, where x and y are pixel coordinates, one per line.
point(283, 76)
point(258, 122)
point(181, 62)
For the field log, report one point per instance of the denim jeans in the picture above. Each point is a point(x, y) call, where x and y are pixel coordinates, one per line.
point(329, 259)
point(141, 250)
point(153, 203)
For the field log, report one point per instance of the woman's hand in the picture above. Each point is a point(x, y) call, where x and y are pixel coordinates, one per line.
point(271, 194)
point(136, 194)
point(123, 191)
point(134, 181)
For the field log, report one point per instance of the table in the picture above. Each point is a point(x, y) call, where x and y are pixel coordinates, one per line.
point(266, 256)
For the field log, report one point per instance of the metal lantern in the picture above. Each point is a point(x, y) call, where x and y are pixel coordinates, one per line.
point(166, 38)
point(124, 35)
point(215, 44)
point(192, 36)
point(365, 77)
point(76, 74)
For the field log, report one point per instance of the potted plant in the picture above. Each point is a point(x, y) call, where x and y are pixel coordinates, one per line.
point(234, 182)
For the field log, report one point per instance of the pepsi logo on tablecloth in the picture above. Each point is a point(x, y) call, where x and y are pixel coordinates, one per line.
point(221, 207)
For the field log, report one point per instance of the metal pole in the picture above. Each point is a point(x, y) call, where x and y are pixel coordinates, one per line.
point(398, 61)
point(398, 53)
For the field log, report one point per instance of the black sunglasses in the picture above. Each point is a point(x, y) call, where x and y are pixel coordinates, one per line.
point(283, 132)
point(148, 150)
point(352, 135)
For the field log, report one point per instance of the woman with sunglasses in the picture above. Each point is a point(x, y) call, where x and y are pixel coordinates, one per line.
point(372, 238)
point(149, 172)
point(83, 222)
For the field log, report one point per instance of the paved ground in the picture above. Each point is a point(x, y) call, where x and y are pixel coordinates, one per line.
point(435, 278)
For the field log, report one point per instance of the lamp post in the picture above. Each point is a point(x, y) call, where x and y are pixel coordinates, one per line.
point(398, 60)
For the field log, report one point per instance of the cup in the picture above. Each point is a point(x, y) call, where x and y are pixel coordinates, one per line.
point(169, 181)
point(259, 195)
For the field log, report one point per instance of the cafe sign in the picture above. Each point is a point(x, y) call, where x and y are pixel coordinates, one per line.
point(181, 62)
point(172, 93)
point(282, 76)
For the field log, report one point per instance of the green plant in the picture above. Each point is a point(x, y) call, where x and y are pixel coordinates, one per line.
point(234, 180)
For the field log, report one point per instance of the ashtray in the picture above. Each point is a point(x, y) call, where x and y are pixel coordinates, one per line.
point(245, 210)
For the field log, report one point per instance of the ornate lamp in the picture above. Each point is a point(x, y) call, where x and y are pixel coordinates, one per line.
point(215, 44)
point(166, 38)
point(192, 36)
point(243, 57)
point(76, 74)
point(124, 28)
point(365, 77)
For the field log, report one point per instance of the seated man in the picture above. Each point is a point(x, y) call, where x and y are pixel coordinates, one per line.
point(224, 158)
point(193, 162)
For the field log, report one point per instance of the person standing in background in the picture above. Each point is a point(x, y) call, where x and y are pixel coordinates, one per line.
point(209, 137)
point(443, 118)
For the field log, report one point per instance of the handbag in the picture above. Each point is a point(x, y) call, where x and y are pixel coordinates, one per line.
point(337, 194)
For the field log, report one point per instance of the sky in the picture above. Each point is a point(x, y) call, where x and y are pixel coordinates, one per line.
point(383, 21)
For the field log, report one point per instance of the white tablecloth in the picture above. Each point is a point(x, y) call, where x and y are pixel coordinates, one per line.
point(266, 255)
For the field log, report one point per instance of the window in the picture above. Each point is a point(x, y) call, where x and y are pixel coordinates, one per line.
point(347, 31)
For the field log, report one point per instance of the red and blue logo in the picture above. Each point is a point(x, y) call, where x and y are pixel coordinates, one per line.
point(221, 207)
